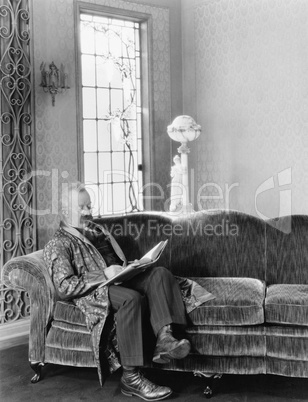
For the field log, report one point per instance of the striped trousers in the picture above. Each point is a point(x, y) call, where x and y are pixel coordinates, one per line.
point(152, 296)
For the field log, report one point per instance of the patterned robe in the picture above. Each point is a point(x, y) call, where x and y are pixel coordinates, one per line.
point(74, 264)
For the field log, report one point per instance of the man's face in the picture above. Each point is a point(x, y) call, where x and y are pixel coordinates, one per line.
point(79, 213)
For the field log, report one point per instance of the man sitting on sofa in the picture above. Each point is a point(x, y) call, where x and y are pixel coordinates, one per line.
point(83, 254)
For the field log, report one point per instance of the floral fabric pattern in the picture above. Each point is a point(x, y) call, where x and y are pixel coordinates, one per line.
point(71, 259)
point(73, 262)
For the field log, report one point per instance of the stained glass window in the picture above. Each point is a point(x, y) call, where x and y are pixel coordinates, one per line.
point(111, 113)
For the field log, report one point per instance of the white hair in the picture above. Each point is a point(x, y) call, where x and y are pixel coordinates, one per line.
point(70, 192)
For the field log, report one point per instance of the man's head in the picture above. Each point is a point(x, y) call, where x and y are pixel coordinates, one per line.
point(76, 205)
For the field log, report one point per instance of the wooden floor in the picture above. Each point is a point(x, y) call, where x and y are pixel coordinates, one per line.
point(61, 384)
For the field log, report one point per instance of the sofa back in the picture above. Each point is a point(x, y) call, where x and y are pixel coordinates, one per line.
point(287, 250)
point(138, 232)
point(207, 243)
point(219, 244)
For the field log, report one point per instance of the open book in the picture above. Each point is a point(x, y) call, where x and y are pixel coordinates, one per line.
point(137, 266)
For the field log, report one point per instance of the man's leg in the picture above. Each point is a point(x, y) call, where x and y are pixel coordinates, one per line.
point(129, 306)
point(163, 295)
point(166, 307)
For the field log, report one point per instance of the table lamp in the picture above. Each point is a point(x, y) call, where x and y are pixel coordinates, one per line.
point(183, 129)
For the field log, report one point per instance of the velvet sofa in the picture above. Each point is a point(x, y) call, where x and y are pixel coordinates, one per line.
point(257, 271)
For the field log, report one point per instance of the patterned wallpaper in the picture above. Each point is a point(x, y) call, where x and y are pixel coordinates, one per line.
point(56, 127)
point(250, 63)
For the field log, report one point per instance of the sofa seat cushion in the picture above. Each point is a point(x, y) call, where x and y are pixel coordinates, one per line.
point(287, 304)
point(238, 301)
point(69, 345)
point(68, 312)
point(287, 342)
point(227, 340)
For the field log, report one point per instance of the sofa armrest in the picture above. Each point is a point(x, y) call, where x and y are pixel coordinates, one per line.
point(29, 273)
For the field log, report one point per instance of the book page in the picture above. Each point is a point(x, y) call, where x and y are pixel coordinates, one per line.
point(137, 266)
point(154, 253)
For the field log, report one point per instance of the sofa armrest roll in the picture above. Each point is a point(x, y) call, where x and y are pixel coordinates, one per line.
point(29, 273)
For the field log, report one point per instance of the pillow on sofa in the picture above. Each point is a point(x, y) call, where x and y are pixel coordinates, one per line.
point(287, 304)
point(238, 301)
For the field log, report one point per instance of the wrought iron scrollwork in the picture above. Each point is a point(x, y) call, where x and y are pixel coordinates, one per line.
point(17, 224)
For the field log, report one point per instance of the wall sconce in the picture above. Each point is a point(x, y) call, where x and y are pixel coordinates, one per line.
point(54, 80)
point(183, 129)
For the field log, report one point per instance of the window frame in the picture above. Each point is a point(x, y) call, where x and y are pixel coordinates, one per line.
point(145, 21)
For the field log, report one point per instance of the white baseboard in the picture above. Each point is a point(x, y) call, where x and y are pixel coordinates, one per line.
point(14, 333)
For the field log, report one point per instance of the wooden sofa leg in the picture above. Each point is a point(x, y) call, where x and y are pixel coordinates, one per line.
point(208, 390)
point(37, 368)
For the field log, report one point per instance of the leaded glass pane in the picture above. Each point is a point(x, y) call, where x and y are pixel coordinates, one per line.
point(90, 167)
point(89, 136)
point(89, 103)
point(118, 161)
point(103, 103)
point(88, 70)
point(103, 135)
point(110, 63)
point(119, 204)
point(116, 99)
point(104, 168)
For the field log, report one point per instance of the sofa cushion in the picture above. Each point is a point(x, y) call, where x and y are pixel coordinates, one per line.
point(68, 312)
point(287, 304)
point(238, 301)
point(287, 342)
point(212, 340)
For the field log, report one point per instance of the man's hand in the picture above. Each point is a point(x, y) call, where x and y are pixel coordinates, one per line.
point(113, 270)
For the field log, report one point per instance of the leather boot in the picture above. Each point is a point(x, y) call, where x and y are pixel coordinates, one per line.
point(167, 347)
point(133, 383)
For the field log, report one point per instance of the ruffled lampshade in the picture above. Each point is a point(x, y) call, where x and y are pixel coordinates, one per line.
point(184, 129)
